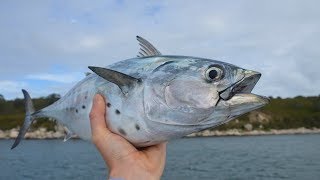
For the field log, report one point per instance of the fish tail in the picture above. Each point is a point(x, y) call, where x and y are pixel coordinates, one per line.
point(30, 112)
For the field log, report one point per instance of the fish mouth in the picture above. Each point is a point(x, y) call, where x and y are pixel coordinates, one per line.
point(238, 96)
point(237, 99)
point(242, 86)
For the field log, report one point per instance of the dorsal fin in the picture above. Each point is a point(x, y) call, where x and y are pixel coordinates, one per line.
point(125, 82)
point(146, 48)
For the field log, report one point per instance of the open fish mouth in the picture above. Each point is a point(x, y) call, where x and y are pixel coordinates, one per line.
point(237, 99)
point(244, 85)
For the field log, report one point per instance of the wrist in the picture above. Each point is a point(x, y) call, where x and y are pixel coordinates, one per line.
point(130, 173)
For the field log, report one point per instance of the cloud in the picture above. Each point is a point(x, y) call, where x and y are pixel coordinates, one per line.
point(60, 78)
point(278, 38)
point(40, 84)
point(9, 88)
point(12, 89)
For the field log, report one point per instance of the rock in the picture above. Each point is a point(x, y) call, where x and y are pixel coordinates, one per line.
point(42, 130)
point(59, 127)
point(248, 127)
point(57, 135)
point(206, 133)
point(13, 133)
point(257, 116)
point(2, 135)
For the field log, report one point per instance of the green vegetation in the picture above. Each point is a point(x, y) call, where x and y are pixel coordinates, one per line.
point(12, 112)
point(289, 113)
point(286, 113)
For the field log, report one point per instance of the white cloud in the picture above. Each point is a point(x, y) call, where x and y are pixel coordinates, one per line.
point(91, 42)
point(12, 89)
point(278, 38)
point(61, 78)
point(9, 86)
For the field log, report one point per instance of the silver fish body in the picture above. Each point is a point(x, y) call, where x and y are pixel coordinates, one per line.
point(156, 98)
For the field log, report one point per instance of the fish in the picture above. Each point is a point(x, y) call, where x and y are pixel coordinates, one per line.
point(154, 98)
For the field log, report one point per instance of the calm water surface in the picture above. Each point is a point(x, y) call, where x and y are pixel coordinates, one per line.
point(254, 157)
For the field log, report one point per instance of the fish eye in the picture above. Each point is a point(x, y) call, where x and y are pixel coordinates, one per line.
point(214, 73)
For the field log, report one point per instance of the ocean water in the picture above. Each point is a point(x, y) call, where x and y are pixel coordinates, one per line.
point(251, 157)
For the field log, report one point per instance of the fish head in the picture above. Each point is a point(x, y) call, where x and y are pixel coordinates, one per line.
point(203, 91)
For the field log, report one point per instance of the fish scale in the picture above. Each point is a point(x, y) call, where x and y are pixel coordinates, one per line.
point(154, 98)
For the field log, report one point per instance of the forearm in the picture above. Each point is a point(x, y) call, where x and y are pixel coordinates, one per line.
point(131, 174)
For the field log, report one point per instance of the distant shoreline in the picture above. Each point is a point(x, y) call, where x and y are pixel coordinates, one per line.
point(42, 133)
point(237, 132)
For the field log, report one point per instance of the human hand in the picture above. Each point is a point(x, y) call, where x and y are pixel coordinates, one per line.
point(123, 159)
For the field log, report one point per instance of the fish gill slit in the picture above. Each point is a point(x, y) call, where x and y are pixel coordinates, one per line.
point(162, 65)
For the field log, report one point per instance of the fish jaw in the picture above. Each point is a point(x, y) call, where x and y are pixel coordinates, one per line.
point(240, 99)
point(244, 85)
point(242, 103)
point(237, 100)
point(227, 110)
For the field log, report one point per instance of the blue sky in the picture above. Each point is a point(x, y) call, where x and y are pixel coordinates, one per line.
point(46, 46)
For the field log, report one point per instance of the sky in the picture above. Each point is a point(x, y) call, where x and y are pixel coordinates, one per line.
point(46, 46)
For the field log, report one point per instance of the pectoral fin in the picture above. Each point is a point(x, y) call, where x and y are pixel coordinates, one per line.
point(69, 134)
point(125, 82)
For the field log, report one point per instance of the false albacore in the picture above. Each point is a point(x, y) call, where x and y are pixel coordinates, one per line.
point(154, 97)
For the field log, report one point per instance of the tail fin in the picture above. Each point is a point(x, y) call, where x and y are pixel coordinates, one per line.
point(27, 120)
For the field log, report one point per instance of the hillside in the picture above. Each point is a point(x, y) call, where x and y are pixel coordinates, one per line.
point(288, 113)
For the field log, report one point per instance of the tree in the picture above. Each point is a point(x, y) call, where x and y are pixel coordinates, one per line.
point(2, 104)
point(2, 98)
point(53, 98)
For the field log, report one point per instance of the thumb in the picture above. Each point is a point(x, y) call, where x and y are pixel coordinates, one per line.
point(156, 153)
point(97, 119)
point(111, 146)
